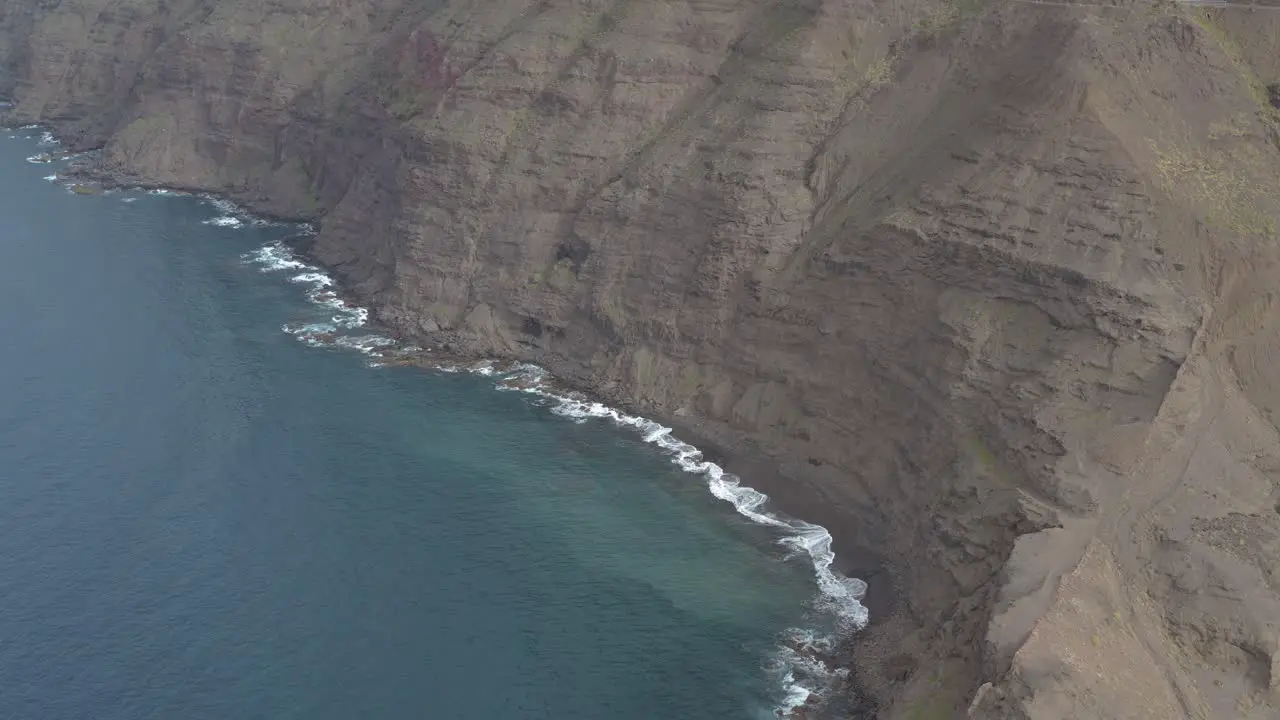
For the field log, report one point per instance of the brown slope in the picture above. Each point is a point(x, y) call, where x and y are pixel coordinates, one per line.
point(990, 281)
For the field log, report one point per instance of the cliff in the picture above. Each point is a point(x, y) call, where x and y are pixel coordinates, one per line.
point(986, 286)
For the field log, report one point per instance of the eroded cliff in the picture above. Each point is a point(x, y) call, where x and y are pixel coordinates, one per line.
point(986, 287)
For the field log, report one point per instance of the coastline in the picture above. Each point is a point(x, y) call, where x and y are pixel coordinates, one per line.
point(947, 279)
point(787, 500)
point(823, 658)
point(733, 454)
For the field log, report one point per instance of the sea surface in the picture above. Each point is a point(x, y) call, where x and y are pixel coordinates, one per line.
point(203, 517)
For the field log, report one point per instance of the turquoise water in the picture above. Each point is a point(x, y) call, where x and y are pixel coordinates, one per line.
point(202, 517)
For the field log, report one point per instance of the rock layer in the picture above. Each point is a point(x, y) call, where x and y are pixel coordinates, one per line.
point(986, 287)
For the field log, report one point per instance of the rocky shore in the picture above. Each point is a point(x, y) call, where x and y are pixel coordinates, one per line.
point(983, 287)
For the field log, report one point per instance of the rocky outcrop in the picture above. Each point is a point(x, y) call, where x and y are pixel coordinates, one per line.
point(985, 287)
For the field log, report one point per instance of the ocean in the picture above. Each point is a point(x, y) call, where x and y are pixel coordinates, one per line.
point(218, 500)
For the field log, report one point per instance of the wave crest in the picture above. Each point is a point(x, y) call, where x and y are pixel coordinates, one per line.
point(801, 664)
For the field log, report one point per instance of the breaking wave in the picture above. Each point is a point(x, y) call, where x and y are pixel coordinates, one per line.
point(51, 152)
point(799, 665)
point(801, 669)
point(229, 214)
point(277, 257)
point(840, 596)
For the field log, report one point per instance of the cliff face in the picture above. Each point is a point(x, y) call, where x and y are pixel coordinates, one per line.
point(992, 281)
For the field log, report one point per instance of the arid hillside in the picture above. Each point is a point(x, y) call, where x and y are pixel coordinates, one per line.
point(988, 287)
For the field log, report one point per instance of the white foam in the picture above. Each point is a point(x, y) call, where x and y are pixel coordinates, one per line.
point(308, 328)
point(51, 178)
point(230, 214)
point(797, 663)
point(796, 695)
point(275, 257)
point(840, 595)
point(322, 295)
point(365, 344)
point(351, 317)
point(313, 278)
point(226, 207)
point(232, 210)
point(800, 670)
point(128, 199)
point(47, 138)
point(278, 257)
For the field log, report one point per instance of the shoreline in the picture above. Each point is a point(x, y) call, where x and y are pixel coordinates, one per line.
point(789, 500)
point(818, 654)
point(786, 498)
